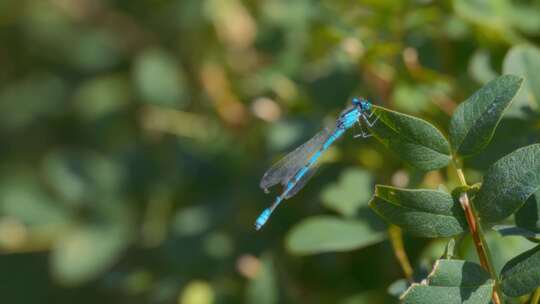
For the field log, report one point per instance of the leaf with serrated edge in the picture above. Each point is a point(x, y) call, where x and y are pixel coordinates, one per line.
point(417, 142)
point(509, 183)
point(452, 281)
point(423, 212)
point(521, 275)
point(474, 121)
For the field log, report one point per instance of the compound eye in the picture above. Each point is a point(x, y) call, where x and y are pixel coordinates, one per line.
point(355, 101)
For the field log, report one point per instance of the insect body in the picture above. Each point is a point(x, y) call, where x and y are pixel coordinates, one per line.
point(295, 169)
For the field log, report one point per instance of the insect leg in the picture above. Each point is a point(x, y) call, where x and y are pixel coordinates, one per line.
point(364, 134)
point(366, 119)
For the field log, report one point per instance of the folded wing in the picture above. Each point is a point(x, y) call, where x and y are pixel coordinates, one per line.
point(287, 167)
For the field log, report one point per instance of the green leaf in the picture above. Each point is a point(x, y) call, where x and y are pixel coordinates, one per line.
point(494, 17)
point(85, 253)
point(524, 60)
point(502, 248)
point(511, 230)
point(427, 213)
point(509, 183)
point(528, 216)
point(397, 288)
point(88, 250)
point(416, 141)
point(159, 79)
point(100, 96)
point(366, 297)
point(23, 197)
point(521, 275)
point(410, 98)
point(452, 281)
point(199, 292)
point(351, 192)
point(28, 100)
point(263, 288)
point(480, 67)
point(328, 233)
point(474, 121)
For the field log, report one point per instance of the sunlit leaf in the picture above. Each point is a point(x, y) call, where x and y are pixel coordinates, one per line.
point(319, 234)
point(452, 281)
point(397, 288)
point(480, 67)
point(474, 121)
point(197, 292)
point(159, 79)
point(101, 96)
point(24, 198)
point(89, 249)
point(351, 192)
point(410, 98)
point(367, 297)
point(524, 60)
point(191, 221)
point(263, 288)
point(414, 140)
point(492, 16)
point(427, 213)
point(80, 177)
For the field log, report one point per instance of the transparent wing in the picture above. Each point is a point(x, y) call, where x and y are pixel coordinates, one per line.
point(302, 182)
point(286, 168)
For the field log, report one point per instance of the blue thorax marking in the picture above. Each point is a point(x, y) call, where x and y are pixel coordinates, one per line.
point(348, 118)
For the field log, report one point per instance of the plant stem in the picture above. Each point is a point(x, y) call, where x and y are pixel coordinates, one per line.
point(396, 238)
point(477, 234)
point(461, 177)
point(536, 297)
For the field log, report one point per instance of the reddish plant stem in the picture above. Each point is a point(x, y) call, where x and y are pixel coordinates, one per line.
point(478, 239)
point(481, 250)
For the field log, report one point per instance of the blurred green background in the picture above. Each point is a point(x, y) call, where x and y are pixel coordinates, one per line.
point(133, 135)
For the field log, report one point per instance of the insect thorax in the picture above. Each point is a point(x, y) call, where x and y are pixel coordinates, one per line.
point(349, 117)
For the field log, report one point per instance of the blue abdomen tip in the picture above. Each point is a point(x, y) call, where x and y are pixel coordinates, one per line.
point(261, 220)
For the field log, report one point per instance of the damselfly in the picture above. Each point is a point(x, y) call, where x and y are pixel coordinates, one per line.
point(295, 169)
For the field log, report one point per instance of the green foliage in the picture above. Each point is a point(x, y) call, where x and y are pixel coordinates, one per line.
point(521, 275)
point(480, 67)
point(349, 194)
point(421, 212)
point(417, 141)
point(474, 121)
point(133, 135)
point(158, 79)
point(318, 234)
point(92, 248)
point(528, 216)
point(524, 60)
point(510, 230)
point(509, 183)
point(263, 288)
point(452, 281)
